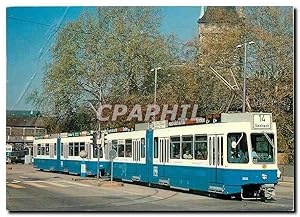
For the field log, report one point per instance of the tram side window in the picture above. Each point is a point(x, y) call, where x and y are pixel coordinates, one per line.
point(175, 147)
point(120, 150)
point(187, 147)
point(222, 154)
point(114, 144)
point(76, 149)
point(201, 147)
point(71, 149)
point(262, 149)
point(143, 147)
point(155, 147)
point(39, 149)
point(95, 150)
point(47, 149)
point(237, 148)
point(81, 147)
point(43, 150)
point(128, 148)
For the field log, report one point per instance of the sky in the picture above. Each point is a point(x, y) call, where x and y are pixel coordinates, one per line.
point(30, 32)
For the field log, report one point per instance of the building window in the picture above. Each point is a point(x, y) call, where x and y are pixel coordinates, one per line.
point(200, 147)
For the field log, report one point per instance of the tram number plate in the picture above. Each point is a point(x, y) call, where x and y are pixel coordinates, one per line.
point(261, 121)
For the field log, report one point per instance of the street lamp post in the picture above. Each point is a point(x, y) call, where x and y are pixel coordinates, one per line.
point(99, 130)
point(155, 83)
point(245, 66)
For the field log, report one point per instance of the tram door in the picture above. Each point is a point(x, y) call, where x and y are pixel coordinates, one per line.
point(136, 153)
point(215, 146)
point(163, 155)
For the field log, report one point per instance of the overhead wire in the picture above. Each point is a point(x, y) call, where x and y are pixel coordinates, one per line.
point(28, 84)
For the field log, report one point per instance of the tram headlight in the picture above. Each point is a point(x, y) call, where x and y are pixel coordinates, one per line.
point(264, 176)
point(278, 174)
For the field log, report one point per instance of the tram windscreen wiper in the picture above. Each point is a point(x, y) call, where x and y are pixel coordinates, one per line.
point(242, 134)
point(269, 139)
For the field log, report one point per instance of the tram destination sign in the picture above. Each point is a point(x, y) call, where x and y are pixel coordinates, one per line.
point(262, 121)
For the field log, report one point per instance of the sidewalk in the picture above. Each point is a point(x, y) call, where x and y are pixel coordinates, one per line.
point(287, 179)
point(101, 182)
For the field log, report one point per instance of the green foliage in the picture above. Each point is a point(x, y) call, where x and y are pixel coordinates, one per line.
point(269, 66)
point(112, 51)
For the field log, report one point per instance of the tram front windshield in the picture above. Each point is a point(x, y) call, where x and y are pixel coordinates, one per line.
point(262, 148)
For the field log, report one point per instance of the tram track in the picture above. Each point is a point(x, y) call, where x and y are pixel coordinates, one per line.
point(139, 200)
point(126, 201)
point(118, 199)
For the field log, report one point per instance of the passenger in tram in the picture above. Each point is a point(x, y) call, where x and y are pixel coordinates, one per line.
point(177, 153)
point(128, 153)
point(200, 155)
point(187, 155)
point(254, 155)
point(204, 154)
point(243, 156)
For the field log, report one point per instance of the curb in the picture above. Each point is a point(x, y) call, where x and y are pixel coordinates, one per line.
point(90, 179)
point(111, 184)
point(101, 183)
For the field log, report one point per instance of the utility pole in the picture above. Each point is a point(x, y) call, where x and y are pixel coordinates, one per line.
point(245, 68)
point(155, 84)
point(99, 128)
point(244, 89)
point(99, 135)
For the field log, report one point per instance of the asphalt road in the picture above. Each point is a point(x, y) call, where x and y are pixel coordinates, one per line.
point(31, 190)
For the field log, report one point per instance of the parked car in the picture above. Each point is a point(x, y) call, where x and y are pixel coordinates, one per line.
point(8, 160)
point(15, 159)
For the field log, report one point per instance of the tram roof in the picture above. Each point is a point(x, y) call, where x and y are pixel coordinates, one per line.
point(258, 120)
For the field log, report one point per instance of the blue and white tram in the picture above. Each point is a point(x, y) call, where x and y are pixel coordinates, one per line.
point(61, 153)
point(217, 158)
point(237, 155)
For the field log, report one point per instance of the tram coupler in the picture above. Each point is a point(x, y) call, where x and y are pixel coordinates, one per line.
point(256, 196)
point(265, 192)
point(268, 191)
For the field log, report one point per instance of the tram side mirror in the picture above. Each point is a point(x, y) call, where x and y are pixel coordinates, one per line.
point(233, 144)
